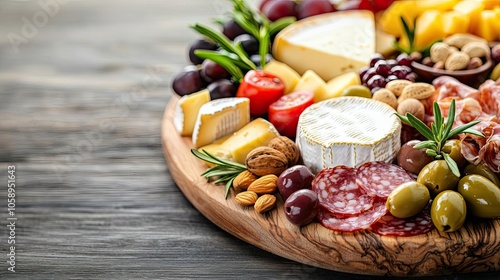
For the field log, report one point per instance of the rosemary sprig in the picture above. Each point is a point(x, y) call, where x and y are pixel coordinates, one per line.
point(224, 170)
point(439, 133)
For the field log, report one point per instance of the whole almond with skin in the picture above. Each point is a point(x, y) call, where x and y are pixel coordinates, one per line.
point(265, 203)
point(246, 198)
point(417, 91)
point(412, 106)
point(476, 49)
point(461, 39)
point(266, 160)
point(243, 180)
point(439, 52)
point(386, 96)
point(287, 147)
point(264, 185)
point(397, 86)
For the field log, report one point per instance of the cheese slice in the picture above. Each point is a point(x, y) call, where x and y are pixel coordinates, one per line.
point(219, 118)
point(347, 131)
point(329, 44)
point(255, 134)
point(186, 111)
point(310, 81)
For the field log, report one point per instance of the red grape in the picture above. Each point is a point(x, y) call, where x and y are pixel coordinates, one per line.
point(248, 42)
point(232, 29)
point(263, 3)
point(222, 88)
point(200, 44)
point(188, 81)
point(211, 71)
point(383, 68)
point(375, 57)
point(404, 59)
point(279, 8)
point(376, 81)
point(310, 8)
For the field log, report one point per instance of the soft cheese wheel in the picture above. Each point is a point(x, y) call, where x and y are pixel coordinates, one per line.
point(329, 44)
point(347, 131)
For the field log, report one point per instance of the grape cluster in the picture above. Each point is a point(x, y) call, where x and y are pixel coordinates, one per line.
point(382, 71)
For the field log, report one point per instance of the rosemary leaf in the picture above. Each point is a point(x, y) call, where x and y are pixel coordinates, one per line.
point(426, 145)
point(280, 24)
point(223, 61)
point(463, 128)
point(420, 126)
point(263, 44)
point(217, 173)
point(245, 24)
point(451, 164)
point(228, 187)
point(226, 162)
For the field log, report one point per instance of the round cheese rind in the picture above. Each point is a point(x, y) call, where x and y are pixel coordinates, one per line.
point(348, 131)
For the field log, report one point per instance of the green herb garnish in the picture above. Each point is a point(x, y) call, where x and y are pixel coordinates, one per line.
point(439, 133)
point(224, 170)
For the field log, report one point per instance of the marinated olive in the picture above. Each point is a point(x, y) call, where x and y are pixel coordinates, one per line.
point(483, 170)
point(437, 177)
point(293, 179)
point(408, 199)
point(411, 159)
point(481, 195)
point(448, 211)
point(357, 90)
point(454, 149)
point(301, 207)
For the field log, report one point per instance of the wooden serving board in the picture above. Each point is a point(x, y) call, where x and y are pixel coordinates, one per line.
point(474, 248)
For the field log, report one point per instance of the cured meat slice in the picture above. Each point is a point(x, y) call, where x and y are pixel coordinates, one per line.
point(339, 193)
point(416, 225)
point(354, 223)
point(380, 178)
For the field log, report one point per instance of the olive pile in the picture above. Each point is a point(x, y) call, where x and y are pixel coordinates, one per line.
point(477, 192)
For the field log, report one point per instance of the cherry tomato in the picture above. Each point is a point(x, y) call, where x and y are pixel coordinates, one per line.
point(262, 88)
point(284, 114)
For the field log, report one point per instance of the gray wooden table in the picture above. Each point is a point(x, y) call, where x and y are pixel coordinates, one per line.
point(83, 86)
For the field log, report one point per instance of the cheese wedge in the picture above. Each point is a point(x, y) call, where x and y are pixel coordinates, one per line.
point(310, 81)
point(255, 134)
point(219, 118)
point(186, 111)
point(286, 74)
point(329, 44)
point(347, 131)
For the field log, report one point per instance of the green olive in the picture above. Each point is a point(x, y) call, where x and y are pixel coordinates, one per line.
point(481, 195)
point(437, 177)
point(357, 90)
point(483, 170)
point(448, 211)
point(408, 200)
point(454, 149)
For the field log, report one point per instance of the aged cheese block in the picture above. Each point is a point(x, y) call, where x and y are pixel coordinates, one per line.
point(329, 44)
point(186, 111)
point(219, 118)
point(347, 131)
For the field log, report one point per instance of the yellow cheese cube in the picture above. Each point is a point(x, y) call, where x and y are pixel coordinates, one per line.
point(337, 85)
point(390, 21)
point(287, 75)
point(470, 9)
point(429, 29)
point(384, 43)
point(487, 26)
point(440, 5)
point(186, 111)
point(310, 81)
point(454, 22)
point(490, 4)
point(255, 134)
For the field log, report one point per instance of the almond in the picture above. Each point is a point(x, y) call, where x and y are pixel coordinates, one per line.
point(243, 180)
point(412, 106)
point(264, 185)
point(439, 52)
point(265, 203)
point(266, 160)
point(386, 96)
point(397, 86)
point(247, 198)
point(476, 49)
point(287, 147)
point(461, 39)
point(417, 91)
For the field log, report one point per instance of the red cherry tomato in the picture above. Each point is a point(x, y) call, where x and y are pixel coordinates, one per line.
point(262, 88)
point(284, 114)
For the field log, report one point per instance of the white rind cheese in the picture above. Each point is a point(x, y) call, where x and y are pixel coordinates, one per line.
point(329, 44)
point(347, 131)
point(219, 118)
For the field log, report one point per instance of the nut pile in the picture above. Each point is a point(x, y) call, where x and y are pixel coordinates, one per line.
point(458, 52)
point(257, 185)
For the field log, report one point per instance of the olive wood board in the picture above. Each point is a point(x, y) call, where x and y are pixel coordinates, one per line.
point(473, 248)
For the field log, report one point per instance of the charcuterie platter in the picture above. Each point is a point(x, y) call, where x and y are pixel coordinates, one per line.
point(474, 248)
point(342, 144)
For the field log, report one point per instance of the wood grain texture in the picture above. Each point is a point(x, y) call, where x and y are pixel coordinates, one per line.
point(102, 70)
point(474, 248)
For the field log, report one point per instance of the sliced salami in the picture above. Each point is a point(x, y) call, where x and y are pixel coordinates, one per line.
point(416, 225)
point(339, 193)
point(354, 223)
point(380, 178)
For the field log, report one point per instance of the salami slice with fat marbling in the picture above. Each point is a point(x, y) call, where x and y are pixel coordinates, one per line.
point(339, 193)
point(416, 225)
point(380, 178)
point(353, 223)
